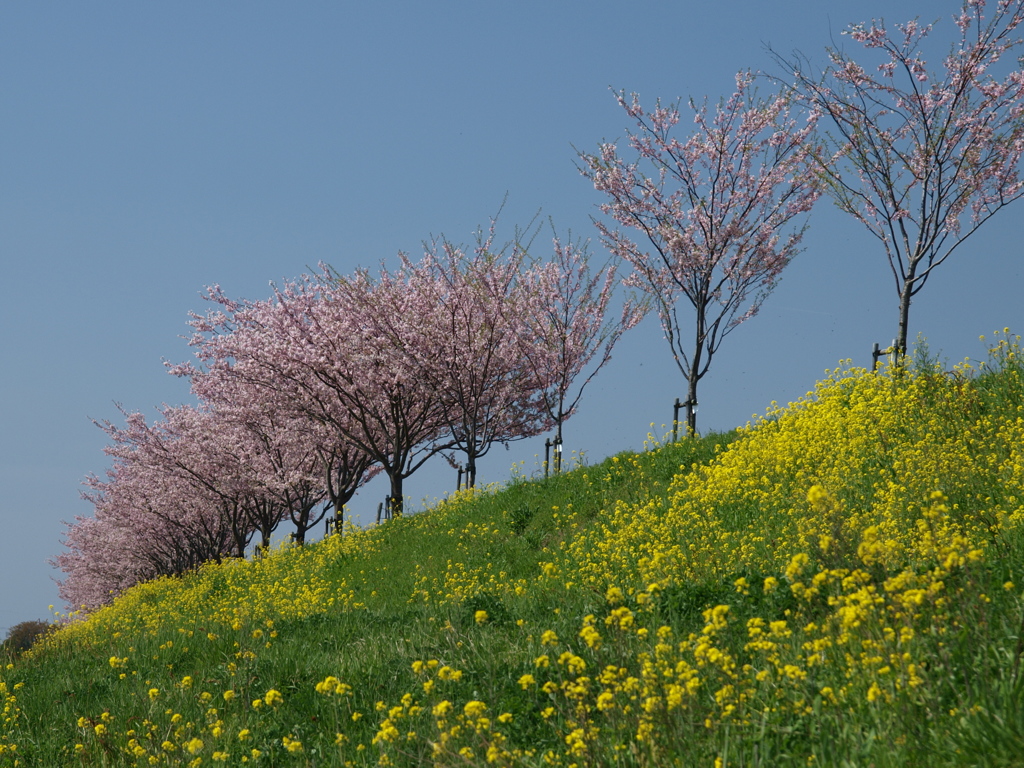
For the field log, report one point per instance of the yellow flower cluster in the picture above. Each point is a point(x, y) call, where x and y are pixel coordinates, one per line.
point(290, 583)
point(10, 715)
point(847, 466)
point(823, 563)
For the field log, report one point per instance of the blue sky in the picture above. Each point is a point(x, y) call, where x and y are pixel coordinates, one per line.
point(147, 150)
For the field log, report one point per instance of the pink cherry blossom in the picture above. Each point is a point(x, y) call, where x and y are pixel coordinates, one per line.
point(923, 155)
point(714, 210)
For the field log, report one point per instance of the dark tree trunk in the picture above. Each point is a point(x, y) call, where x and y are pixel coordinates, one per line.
point(905, 297)
point(691, 408)
point(396, 498)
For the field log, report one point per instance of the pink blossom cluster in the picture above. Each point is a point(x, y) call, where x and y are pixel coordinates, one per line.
point(922, 155)
point(707, 218)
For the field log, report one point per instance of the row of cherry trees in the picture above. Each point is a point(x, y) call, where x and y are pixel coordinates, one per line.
point(305, 396)
point(921, 156)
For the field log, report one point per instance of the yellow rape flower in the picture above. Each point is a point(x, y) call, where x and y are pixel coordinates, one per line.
point(442, 708)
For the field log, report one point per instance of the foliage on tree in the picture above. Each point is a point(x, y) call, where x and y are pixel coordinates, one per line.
point(470, 354)
point(307, 395)
point(715, 212)
point(318, 346)
point(922, 156)
point(21, 636)
point(567, 332)
point(152, 515)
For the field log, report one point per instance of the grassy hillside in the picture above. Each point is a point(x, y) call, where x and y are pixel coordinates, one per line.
point(839, 584)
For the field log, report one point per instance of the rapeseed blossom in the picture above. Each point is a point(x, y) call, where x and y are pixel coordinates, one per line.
point(822, 563)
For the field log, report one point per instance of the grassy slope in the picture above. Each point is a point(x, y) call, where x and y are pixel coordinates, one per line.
point(370, 646)
point(862, 549)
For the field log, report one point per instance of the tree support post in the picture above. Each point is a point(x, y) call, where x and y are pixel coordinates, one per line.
point(877, 353)
point(691, 408)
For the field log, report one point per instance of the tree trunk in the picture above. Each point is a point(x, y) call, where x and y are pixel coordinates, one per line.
point(395, 503)
point(300, 528)
point(901, 339)
point(693, 375)
point(558, 448)
point(691, 408)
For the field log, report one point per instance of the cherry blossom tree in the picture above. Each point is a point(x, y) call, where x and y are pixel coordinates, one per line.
point(346, 468)
point(117, 547)
point(922, 156)
point(194, 486)
point(469, 354)
point(191, 448)
point(716, 211)
point(281, 465)
point(103, 557)
point(149, 520)
point(567, 331)
point(295, 463)
point(303, 459)
point(319, 345)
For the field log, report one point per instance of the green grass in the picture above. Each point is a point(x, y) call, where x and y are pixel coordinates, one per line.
point(372, 648)
point(906, 654)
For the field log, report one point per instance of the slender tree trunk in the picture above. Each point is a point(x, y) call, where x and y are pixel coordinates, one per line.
point(300, 527)
point(558, 447)
point(693, 375)
point(340, 494)
point(691, 409)
point(905, 296)
point(239, 535)
point(396, 494)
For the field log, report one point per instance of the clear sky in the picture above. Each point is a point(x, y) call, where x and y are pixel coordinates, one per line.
point(150, 149)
